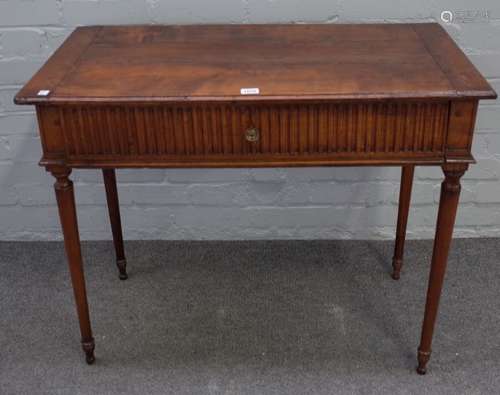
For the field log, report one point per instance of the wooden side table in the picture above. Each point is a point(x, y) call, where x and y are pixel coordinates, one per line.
point(258, 96)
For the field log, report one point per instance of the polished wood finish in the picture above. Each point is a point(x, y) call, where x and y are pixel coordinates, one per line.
point(329, 95)
point(404, 209)
point(209, 135)
point(67, 213)
point(448, 203)
point(114, 217)
point(287, 62)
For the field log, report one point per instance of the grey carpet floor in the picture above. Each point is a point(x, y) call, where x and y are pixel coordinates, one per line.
point(249, 317)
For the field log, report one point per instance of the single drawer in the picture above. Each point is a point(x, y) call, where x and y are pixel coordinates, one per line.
point(200, 131)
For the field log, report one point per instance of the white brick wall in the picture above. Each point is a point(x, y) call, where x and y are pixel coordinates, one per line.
point(236, 203)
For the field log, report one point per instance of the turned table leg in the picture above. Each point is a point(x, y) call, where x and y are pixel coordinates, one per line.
point(67, 213)
point(450, 191)
point(404, 208)
point(114, 217)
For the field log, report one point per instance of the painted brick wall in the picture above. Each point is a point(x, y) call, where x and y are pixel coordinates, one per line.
point(243, 203)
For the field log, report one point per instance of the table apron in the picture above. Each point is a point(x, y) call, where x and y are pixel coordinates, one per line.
point(257, 134)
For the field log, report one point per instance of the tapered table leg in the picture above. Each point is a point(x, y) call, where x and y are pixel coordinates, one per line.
point(67, 213)
point(404, 208)
point(450, 191)
point(114, 217)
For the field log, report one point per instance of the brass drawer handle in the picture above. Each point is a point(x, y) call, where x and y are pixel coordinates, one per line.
point(252, 134)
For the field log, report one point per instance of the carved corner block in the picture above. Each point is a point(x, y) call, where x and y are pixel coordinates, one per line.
point(51, 136)
point(462, 118)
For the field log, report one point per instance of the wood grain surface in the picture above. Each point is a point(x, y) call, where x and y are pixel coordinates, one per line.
point(285, 62)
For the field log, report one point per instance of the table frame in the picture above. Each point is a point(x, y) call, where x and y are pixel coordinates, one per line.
point(173, 96)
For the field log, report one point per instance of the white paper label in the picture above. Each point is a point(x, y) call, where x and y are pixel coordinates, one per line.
point(249, 91)
point(43, 92)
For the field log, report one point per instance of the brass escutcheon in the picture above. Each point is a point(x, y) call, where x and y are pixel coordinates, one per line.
point(252, 134)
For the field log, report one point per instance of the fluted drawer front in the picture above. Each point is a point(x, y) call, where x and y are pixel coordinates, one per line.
point(253, 130)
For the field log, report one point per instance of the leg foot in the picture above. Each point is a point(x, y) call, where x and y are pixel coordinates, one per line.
point(396, 268)
point(122, 268)
point(423, 358)
point(88, 348)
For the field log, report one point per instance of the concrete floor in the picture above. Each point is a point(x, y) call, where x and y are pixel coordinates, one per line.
point(250, 317)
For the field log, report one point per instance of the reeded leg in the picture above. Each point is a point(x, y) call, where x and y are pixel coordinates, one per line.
point(114, 216)
point(67, 213)
point(404, 208)
point(450, 191)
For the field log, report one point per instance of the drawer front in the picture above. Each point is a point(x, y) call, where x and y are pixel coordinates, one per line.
point(204, 132)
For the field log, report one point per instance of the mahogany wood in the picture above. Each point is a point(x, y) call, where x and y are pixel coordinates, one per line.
point(329, 95)
point(114, 217)
point(404, 208)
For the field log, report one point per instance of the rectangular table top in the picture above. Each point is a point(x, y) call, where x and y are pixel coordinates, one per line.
point(231, 62)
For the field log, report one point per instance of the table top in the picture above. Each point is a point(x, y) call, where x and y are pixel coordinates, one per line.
point(231, 62)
